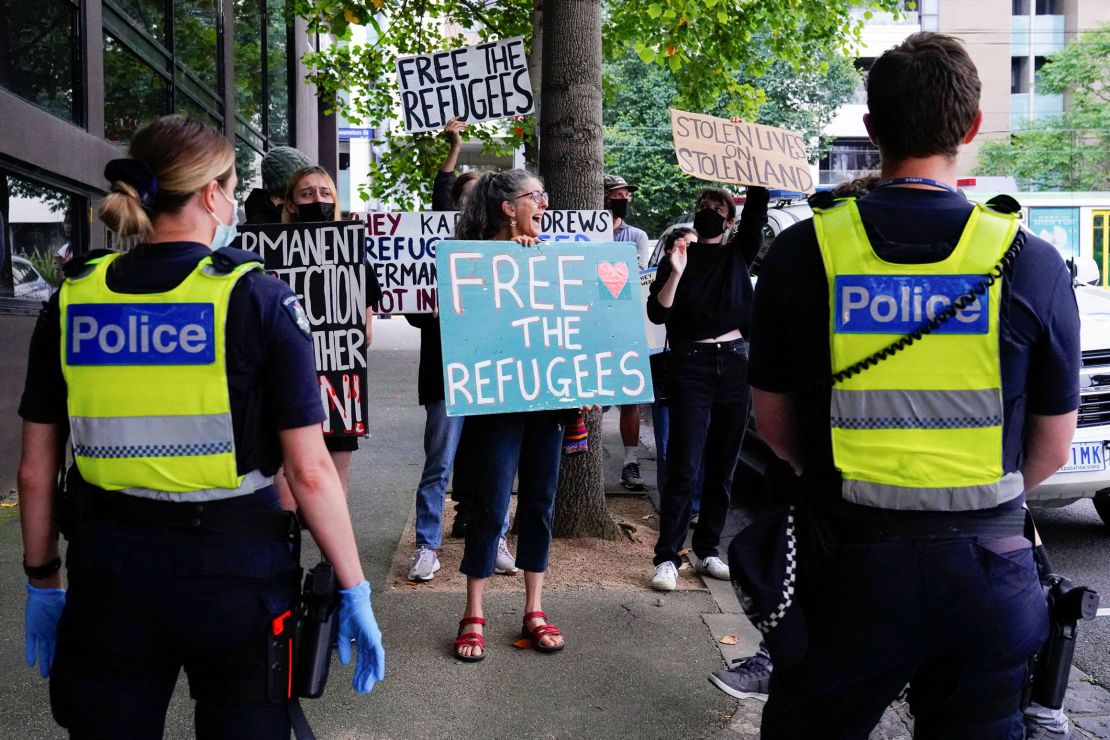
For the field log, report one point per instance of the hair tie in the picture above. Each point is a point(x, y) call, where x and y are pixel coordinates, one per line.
point(138, 175)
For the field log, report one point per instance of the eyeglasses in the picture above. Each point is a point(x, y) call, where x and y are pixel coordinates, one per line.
point(537, 196)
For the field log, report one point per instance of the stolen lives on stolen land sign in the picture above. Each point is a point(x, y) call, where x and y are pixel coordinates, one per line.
point(324, 264)
point(527, 329)
point(476, 83)
point(402, 250)
point(718, 150)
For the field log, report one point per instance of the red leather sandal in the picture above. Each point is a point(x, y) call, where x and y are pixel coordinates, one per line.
point(470, 639)
point(540, 631)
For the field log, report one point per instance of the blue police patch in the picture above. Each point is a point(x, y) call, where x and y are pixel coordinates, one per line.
point(140, 334)
point(297, 313)
point(899, 304)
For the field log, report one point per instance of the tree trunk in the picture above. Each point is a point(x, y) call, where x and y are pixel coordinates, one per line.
point(535, 74)
point(571, 165)
point(580, 509)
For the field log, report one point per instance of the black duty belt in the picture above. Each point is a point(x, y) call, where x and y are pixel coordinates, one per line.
point(220, 517)
point(926, 526)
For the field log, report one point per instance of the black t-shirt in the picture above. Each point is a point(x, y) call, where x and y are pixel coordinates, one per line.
point(1040, 355)
point(714, 295)
point(271, 370)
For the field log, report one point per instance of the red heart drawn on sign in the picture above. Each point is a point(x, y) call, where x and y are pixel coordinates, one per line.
point(613, 276)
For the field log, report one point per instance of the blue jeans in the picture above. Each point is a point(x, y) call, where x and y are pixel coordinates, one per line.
point(953, 618)
point(441, 439)
point(532, 442)
point(708, 415)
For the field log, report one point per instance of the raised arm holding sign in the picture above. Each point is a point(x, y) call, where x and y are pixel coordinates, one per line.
point(718, 150)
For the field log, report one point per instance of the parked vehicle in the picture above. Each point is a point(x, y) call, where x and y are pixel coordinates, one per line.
point(29, 283)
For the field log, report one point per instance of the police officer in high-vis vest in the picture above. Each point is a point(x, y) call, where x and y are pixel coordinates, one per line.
point(914, 466)
point(182, 377)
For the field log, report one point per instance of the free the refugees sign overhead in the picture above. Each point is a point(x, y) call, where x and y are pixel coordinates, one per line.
point(718, 150)
point(476, 83)
point(324, 264)
point(528, 329)
point(402, 250)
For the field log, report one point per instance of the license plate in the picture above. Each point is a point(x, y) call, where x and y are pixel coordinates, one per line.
point(1086, 457)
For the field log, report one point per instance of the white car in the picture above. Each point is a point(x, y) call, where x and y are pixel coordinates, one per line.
point(29, 283)
point(1087, 474)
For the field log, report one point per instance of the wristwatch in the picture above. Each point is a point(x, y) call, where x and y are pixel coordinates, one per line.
point(45, 570)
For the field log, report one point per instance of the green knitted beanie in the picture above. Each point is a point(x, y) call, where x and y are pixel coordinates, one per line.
point(278, 164)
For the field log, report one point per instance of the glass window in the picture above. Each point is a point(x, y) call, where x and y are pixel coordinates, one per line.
point(148, 15)
point(248, 167)
point(134, 93)
point(1020, 7)
point(41, 229)
point(249, 93)
point(848, 159)
point(277, 71)
point(1050, 7)
point(195, 40)
point(1019, 75)
point(39, 55)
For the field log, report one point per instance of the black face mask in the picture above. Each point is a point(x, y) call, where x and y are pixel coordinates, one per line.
point(312, 212)
point(708, 223)
point(619, 208)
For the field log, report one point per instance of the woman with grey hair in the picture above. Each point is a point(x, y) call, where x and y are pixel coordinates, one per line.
point(509, 206)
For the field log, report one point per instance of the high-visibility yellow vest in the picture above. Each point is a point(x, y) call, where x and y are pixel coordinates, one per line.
point(146, 377)
point(922, 429)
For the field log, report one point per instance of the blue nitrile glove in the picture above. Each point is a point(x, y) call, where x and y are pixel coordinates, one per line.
point(44, 608)
point(356, 622)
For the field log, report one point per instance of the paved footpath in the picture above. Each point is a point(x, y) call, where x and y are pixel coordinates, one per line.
point(635, 665)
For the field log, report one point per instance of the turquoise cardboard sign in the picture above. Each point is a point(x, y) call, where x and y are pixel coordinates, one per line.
point(558, 325)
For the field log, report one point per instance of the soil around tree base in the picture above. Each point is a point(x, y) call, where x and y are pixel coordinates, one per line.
point(574, 564)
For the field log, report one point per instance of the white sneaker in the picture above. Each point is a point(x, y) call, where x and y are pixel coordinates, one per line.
point(506, 562)
point(714, 567)
point(666, 577)
point(424, 565)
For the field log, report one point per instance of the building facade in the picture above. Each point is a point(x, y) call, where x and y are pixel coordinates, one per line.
point(1009, 40)
point(77, 77)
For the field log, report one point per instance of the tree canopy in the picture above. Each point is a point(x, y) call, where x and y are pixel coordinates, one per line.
point(1070, 151)
point(716, 52)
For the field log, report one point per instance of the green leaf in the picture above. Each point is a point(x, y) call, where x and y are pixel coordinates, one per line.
point(654, 11)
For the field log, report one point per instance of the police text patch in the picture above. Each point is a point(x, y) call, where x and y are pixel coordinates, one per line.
point(140, 334)
point(899, 304)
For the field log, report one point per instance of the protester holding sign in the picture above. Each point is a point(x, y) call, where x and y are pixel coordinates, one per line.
point(703, 292)
point(443, 434)
point(508, 206)
point(183, 378)
point(309, 198)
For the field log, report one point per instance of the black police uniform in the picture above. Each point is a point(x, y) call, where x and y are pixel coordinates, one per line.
point(156, 586)
point(957, 617)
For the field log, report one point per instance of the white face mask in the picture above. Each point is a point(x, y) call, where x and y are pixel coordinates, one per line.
point(225, 233)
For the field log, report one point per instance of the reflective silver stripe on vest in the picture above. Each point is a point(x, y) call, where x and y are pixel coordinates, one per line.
point(903, 409)
point(151, 436)
point(252, 481)
point(958, 498)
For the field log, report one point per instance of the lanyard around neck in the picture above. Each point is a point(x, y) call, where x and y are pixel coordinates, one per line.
point(895, 181)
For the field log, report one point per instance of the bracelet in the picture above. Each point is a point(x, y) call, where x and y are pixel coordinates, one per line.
point(42, 571)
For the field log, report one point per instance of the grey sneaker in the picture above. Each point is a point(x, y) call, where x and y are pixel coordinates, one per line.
point(749, 678)
point(714, 567)
point(630, 477)
point(506, 562)
point(666, 577)
point(424, 565)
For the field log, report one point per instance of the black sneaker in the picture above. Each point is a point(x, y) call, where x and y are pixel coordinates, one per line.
point(749, 678)
point(630, 477)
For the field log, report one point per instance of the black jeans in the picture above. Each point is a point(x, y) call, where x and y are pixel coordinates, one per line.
point(708, 394)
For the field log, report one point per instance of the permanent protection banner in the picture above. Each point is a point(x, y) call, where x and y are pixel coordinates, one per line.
point(718, 150)
point(402, 250)
point(325, 265)
point(529, 329)
point(476, 83)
